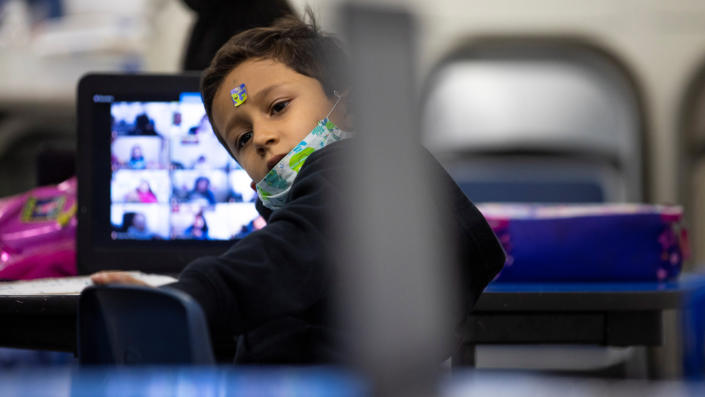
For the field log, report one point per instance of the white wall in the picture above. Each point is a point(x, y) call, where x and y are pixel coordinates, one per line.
point(171, 28)
point(661, 42)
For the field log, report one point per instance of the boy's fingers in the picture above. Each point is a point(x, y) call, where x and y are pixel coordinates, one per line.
point(115, 277)
point(98, 278)
point(102, 277)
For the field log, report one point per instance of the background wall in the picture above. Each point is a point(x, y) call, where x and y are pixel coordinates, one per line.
point(663, 43)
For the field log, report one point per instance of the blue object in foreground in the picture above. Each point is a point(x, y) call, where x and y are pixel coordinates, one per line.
point(220, 382)
point(184, 381)
point(308, 382)
point(693, 342)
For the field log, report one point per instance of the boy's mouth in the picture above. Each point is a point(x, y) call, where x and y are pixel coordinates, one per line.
point(274, 160)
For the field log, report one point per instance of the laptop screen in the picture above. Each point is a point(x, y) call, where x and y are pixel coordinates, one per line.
point(156, 188)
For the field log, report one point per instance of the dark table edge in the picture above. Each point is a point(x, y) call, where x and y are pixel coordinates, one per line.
point(495, 301)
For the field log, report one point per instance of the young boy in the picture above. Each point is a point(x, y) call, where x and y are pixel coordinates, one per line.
point(275, 99)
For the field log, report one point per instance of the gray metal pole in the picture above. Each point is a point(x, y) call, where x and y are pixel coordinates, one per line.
point(393, 252)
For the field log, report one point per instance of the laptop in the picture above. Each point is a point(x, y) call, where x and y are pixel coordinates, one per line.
point(156, 188)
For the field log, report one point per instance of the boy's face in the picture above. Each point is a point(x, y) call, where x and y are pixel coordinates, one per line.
point(281, 108)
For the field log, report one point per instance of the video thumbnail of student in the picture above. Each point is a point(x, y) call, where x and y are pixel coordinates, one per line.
point(171, 178)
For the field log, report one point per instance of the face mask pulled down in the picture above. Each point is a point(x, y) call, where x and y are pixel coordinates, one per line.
point(274, 188)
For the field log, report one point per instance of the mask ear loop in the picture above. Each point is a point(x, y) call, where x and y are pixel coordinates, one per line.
point(340, 97)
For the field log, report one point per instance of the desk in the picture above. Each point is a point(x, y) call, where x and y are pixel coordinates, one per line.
point(606, 314)
point(609, 314)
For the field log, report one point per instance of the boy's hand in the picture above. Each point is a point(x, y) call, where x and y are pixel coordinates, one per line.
point(114, 277)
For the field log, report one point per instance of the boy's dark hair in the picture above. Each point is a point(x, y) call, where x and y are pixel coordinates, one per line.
point(291, 41)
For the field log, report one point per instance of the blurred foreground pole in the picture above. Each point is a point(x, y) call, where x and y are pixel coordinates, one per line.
point(393, 256)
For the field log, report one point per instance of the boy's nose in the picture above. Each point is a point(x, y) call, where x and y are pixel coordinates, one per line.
point(263, 139)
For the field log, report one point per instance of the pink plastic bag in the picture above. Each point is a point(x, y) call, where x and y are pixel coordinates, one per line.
point(38, 233)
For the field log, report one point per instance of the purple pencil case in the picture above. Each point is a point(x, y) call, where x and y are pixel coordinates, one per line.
point(606, 242)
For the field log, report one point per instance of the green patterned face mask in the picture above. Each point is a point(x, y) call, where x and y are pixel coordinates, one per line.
point(274, 187)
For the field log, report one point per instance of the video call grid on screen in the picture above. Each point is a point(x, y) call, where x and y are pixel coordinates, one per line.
point(170, 177)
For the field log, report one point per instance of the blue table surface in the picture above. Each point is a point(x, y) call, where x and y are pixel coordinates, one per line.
point(591, 296)
point(685, 282)
point(315, 382)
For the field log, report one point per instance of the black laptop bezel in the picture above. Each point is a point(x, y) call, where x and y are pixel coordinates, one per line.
point(96, 251)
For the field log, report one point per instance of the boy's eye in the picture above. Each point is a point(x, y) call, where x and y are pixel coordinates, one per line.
point(279, 107)
point(242, 140)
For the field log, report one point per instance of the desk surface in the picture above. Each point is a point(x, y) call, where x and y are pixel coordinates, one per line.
point(615, 296)
point(600, 313)
point(597, 296)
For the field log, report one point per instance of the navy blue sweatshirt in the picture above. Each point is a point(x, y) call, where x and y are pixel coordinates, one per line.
point(273, 288)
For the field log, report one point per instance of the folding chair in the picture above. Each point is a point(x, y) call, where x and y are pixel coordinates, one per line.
point(537, 119)
point(135, 325)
